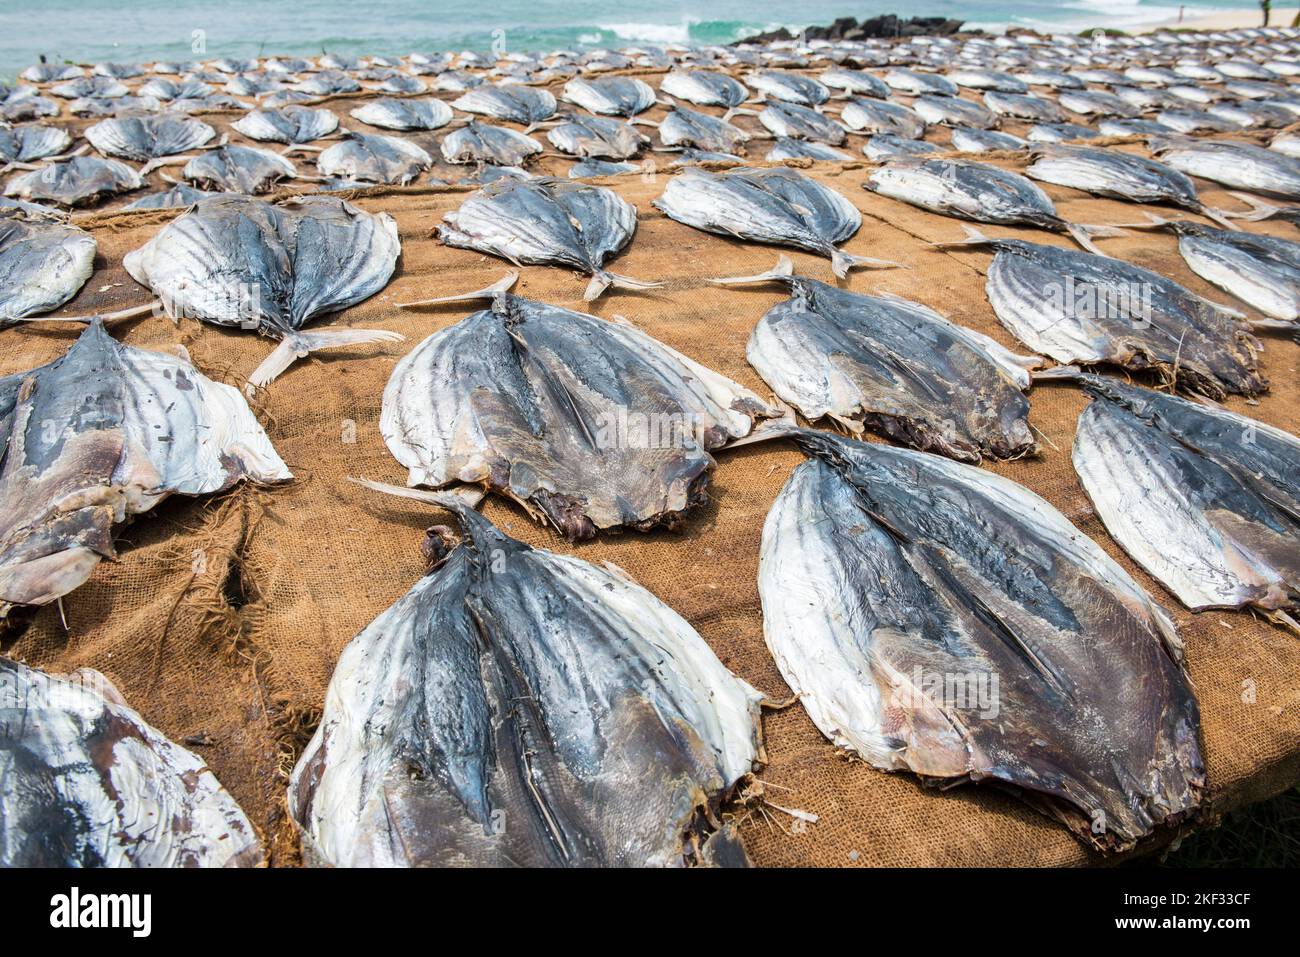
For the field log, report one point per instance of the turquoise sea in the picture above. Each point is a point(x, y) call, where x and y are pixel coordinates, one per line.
point(141, 30)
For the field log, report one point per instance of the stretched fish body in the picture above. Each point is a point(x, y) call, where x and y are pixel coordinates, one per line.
point(238, 169)
point(610, 96)
point(522, 708)
point(517, 104)
point(894, 367)
point(42, 266)
point(79, 181)
point(103, 434)
point(785, 148)
point(704, 88)
point(547, 221)
point(480, 143)
point(170, 90)
point(937, 618)
point(855, 82)
point(86, 782)
point(954, 111)
point(1142, 98)
point(373, 158)
point(405, 114)
point(327, 83)
point(879, 116)
point(1207, 501)
point(683, 127)
point(457, 81)
point(1096, 103)
point(23, 104)
point(26, 144)
point(1078, 307)
point(983, 141)
point(240, 262)
point(914, 83)
point(179, 195)
point(1114, 173)
point(1249, 115)
point(50, 72)
point(1059, 133)
point(597, 167)
point(143, 138)
point(1112, 127)
point(596, 136)
point(977, 79)
point(289, 124)
point(1195, 121)
point(118, 106)
point(881, 147)
point(1051, 78)
point(768, 206)
point(90, 86)
point(799, 122)
point(588, 424)
point(790, 87)
point(1024, 106)
point(1239, 165)
point(1194, 94)
point(402, 84)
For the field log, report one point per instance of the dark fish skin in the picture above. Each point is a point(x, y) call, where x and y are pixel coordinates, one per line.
point(1078, 307)
point(530, 400)
point(880, 565)
point(522, 708)
point(1206, 500)
point(238, 169)
point(683, 127)
point(800, 122)
point(97, 436)
point(893, 367)
point(596, 136)
point(86, 782)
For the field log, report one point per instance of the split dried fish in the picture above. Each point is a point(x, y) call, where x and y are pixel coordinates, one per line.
point(143, 138)
point(879, 116)
point(777, 206)
point(42, 266)
point(1239, 165)
point(79, 181)
point(596, 136)
point(289, 124)
point(238, 169)
point(790, 87)
point(683, 127)
point(610, 96)
point(883, 571)
point(103, 434)
point(525, 105)
point(239, 262)
point(799, 122)
point(588, 424)
point(373, 158)
point(891, 366)
point(405, 114)
point(704, 88)
point(475, 724)
point(481, 143)
point(26, 144)
point(548, 222)
point(86, 782)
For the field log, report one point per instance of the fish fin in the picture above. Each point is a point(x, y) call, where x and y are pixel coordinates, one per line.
point(161, 161)
point(1058, 374)
point(842, 262)
point(299, 344)
point(1082, 234)
point(465, 496)
point(784, 427)
point(973, 238)
point(783, 269)
point(1221, 308)
point(1258, 208)
point(1219, 217)
point(603, 280)
point(737, 111)
point(132, 312)
point(487, 292)
point(640, 121)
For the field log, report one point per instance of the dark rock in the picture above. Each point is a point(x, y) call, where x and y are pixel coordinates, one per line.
point(848, 28)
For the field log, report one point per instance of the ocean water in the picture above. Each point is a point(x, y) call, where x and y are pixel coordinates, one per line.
point(144, 30)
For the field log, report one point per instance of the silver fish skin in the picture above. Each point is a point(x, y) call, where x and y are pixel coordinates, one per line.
point(1207, 501)
point(547, 222)
point(1235, 164)
point(598, 167)
point(610, 96)
point(982, 141)
point(608, 735)
point(514, 103)
point(954, 111)
point(457, 81)
point(142, 138)
point(882, 147)
point(401, 84)
point(1077, 307)
point(786, 148)
point(87, 782)
point(704, 88)
point(79, 181)
point(90, 86)
point(776, 206)
point(1051, 78)
point(326, 83)
point(158, 427)
point(1024, 106)
point(240, 262)
point(894, 367)
point(1249, 115)
point(404, 114)
point(238, 169)
point(547, 407)
point(799, 122)
point(374, 158)
point(596, 136)
point(880, 116)
point(881, 569)
point(42, 266)
point(1195, 121)
point(1059, 133)
point(26, 144)
point(1113, 173)
point(979, 79)
point(289, 124)
point(1125, 127)
point(179, 196)
point(916, 83)
point(481, 143)
point(855, 83)
point(1096, 103)
point(683, 127)
point(790, 87)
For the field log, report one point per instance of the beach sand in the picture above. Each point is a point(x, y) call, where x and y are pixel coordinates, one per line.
point(1228, 20)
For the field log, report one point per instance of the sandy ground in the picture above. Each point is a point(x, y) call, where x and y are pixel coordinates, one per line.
point(1229, 19)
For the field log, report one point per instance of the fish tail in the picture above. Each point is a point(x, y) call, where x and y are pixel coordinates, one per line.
point(973, 238)
point(603, 280)
point(461, 498)
point(297, 345)
point(1258, 208)
point(1220, 217)
point(487, 292)
point(1082, 234)
point(1058, 374)
point(641, 121)
point(783, 269)
point(842, 262)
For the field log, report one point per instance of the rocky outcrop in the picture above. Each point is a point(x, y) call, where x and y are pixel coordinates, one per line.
point(849, 28)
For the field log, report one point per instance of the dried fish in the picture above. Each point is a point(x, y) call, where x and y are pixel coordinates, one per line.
point(610, 96)
point(596, 136)
point(1239, 165)
point(517, 104)
point(880, 116)
point(26, 144)
point(373, 158)
point(481, 143)
point(683, 127)
point(143, 138)
point(289, 124)
point(42, 266)
point(238, 169)
point(405, 114)
point(704, 88)
point(799, 122)
point(78, 181)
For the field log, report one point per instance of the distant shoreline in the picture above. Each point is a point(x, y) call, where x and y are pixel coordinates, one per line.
point(1223, 20)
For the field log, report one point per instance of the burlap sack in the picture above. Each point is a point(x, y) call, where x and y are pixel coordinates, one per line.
point(222, 619)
